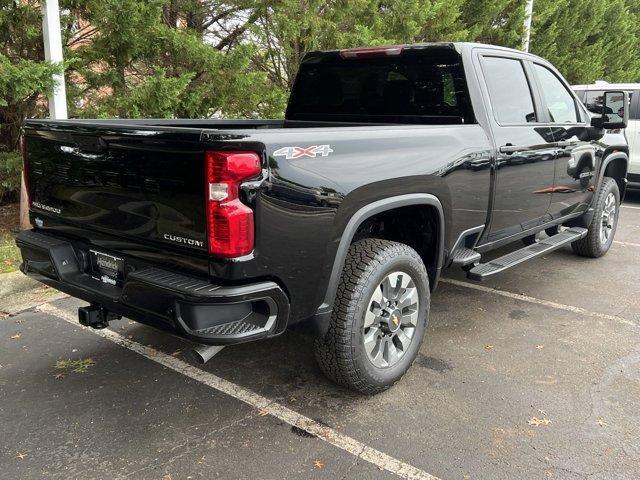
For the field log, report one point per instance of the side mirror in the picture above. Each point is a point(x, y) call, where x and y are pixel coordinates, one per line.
point(615, 111)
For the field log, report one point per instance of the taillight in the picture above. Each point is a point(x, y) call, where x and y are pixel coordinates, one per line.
point(230, 226)
point(25, 167)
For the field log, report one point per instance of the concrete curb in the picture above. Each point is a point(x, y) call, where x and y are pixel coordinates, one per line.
point(19, 292)
point(15, 282)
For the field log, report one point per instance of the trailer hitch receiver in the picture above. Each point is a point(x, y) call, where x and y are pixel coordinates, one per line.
point(96, 316)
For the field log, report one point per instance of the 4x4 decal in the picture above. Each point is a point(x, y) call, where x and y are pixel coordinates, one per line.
point(298, 152)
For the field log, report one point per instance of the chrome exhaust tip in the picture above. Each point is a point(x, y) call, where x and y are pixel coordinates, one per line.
point(204, 353)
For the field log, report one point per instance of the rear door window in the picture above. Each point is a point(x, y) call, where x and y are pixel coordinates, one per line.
point(509, 90)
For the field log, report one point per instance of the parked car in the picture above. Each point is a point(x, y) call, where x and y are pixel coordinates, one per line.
point(392, 163)
point(591, 96)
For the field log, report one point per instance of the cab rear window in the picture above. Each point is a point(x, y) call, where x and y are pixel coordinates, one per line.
point(423, 86)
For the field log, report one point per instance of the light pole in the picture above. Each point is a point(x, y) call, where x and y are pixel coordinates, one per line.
point(53, 53)
point(526, 34)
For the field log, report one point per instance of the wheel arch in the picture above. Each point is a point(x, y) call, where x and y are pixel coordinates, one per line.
point(615, 165)
point(368, 211)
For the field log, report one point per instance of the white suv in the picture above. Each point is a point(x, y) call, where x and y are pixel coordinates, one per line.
point(591, 96)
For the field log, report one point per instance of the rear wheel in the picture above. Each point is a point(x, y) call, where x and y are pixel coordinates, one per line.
point(379, 317)
point(605, 221)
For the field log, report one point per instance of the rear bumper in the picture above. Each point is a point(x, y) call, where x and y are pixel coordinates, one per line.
point(189, 306)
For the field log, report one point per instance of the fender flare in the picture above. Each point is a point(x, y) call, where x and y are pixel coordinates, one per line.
point(324, 311)
point(586, 220)
point(607, 160)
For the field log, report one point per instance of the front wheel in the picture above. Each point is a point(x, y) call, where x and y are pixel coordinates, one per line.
point(379, 317)
point(605, 221)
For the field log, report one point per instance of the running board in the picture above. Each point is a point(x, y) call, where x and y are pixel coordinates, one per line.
point(464, 257)
point(485, 270)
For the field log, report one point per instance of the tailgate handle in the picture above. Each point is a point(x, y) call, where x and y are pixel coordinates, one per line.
point(90, 143)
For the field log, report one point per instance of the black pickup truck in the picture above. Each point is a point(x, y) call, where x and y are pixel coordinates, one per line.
point(391, 164)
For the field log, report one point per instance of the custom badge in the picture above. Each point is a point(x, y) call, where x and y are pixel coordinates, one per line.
point(299, 152)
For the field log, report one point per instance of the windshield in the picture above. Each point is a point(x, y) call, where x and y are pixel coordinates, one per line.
point(418, 86)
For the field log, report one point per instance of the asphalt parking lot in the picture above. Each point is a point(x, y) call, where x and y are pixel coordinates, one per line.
point(535, 374)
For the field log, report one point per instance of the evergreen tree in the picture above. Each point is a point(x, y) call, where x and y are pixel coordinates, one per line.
point(288, 29)
point(152, 58)
point(587, 39)
point(23, 72)
point(496, 22)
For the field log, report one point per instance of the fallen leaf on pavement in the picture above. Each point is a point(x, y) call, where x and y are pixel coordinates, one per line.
point(539, 347)
point(15, 337)
point(318, 464)
point(488, 347)
point(602, 423)
point(59, 376)
point(263, 412)
point(536, 422)
point(21, 456)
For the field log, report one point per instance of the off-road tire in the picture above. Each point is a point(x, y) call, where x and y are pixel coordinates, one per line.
point(341, 353)
point(591, 245)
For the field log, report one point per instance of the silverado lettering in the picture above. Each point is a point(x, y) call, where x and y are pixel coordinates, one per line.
point(46, 208)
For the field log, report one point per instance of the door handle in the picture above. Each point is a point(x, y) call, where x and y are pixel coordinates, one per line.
point(563, 144)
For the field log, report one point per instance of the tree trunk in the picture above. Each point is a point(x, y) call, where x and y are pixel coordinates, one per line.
point(24, 206)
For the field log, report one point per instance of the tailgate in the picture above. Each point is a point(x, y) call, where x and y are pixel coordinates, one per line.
point(142, 182)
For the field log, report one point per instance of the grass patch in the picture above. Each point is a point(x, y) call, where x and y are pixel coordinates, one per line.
point(80, 365)
point(10, 258)
point(9, 254)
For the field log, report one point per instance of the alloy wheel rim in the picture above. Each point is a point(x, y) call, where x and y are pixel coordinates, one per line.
point(391, 319)
point(608, 218)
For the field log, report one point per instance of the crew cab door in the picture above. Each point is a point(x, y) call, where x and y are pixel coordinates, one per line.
point(576, 162)
point(524, 164)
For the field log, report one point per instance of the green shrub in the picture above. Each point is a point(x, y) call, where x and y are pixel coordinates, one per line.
point(10, 170)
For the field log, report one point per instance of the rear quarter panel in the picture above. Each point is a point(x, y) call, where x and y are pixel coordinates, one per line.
point(305, 203)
